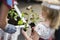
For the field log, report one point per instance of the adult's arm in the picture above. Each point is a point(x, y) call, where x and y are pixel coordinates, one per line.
point(3, 17)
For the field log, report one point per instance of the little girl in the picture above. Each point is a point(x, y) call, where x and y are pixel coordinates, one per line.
point(45, 29)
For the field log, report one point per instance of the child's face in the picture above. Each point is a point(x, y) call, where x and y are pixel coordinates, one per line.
point(44, 14)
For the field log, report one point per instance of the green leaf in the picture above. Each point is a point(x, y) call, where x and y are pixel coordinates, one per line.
point(22, 14)
point(20, 22)
point(15, 17)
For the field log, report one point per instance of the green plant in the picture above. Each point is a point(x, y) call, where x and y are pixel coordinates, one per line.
point(29, 17)
point(12, 14)
point(15, 19)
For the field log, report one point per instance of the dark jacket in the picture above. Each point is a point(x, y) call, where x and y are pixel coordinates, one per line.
point(57, 34)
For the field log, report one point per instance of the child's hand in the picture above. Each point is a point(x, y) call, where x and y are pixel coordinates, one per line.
point(25, 35)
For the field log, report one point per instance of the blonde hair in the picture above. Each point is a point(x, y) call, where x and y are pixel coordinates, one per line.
point(53, 16)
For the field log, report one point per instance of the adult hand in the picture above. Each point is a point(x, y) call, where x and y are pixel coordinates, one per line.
point(3, 23)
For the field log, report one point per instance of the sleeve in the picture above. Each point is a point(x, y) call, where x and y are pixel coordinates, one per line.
point(39, 29)
point(1, 32)
point(43, 31)
point(8, 3)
